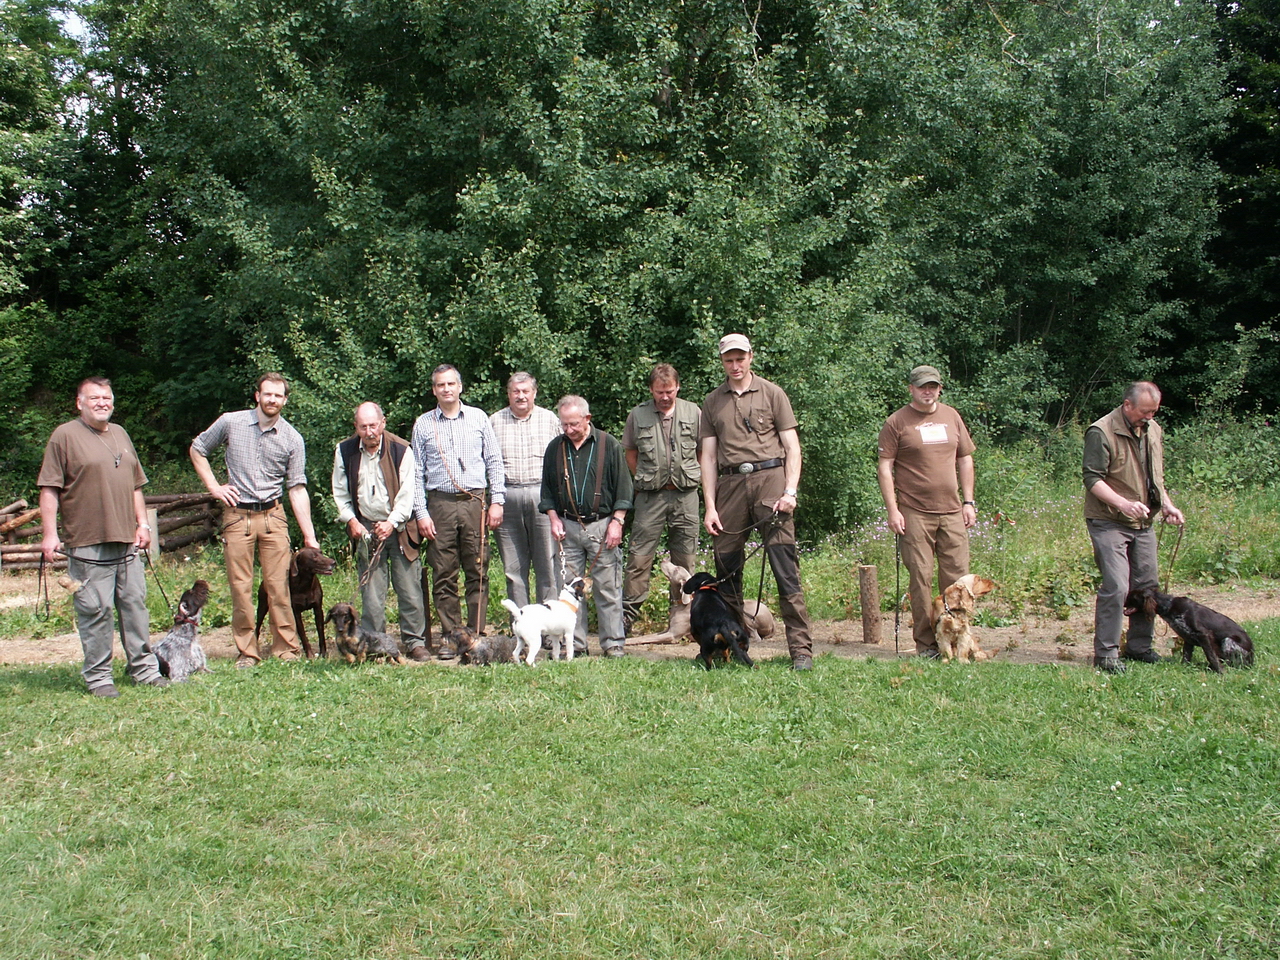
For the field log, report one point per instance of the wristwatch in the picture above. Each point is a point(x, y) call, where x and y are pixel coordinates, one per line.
point(970, 503)
point(789, 492)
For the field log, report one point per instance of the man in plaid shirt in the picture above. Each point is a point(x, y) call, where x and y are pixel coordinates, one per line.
point(523, 430)
point(265, 455)
point(458, 457)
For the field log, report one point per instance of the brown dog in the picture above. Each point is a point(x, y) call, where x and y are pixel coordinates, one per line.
point(950, 618)
point(305, 593)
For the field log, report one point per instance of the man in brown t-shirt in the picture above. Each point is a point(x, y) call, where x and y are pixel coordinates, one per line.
point(750, 461)
point(91, 475)
point(925, 455)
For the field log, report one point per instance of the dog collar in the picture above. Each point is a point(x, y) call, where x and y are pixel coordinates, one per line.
point(180, 620)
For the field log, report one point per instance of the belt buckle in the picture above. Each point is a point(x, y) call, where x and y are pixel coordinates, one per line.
point(747, 468)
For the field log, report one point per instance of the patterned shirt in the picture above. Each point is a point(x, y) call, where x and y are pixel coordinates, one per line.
point(523, 442)
point(260, 463)
point(455, 454)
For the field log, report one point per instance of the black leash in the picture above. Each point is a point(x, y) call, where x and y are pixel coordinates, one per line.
point(897, 589)
point(1168, 573)
point(146, 559)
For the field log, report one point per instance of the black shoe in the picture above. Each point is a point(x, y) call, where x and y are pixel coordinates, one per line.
point(929, 655)
point(1109, 664)
point(1146, 656)
point(106, 690)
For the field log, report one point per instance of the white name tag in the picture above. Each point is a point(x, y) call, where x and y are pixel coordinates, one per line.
point(933, 432)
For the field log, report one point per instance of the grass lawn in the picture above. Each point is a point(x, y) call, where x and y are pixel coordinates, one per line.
point(645, 809)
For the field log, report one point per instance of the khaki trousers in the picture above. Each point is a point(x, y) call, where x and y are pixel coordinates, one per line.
point(267, 533)
point(931, 537)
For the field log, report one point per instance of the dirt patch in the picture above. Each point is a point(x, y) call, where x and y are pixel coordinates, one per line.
point(1037, 637)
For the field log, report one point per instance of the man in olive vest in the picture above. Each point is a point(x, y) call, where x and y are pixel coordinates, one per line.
point(373, 484)
point(661, 441)
point(1124, 488)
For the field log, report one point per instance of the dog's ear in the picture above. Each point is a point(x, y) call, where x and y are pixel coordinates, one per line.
point(982, 586)
point(293, 565)
point(1149, 604)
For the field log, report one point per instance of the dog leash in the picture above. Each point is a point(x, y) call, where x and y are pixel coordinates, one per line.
point(146, 559)
point(374, 557)
point(1168, 573)
point(897, 589)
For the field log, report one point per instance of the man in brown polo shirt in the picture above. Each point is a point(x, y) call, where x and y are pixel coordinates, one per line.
point(91, 475)
point(926, 455)
point(750, 461)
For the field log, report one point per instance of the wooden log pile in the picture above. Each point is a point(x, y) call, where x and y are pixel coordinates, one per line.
point(177, 520)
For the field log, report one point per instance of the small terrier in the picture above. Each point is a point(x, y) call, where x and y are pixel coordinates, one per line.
point(554, 620)
point(356, 644)
point(179, 652)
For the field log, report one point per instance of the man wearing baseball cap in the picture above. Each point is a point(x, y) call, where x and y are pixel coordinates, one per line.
point(750, 461)
point(926, 456)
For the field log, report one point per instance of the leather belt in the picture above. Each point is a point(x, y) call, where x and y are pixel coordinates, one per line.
point(454, 494)
point(257, 507)
point(752, 467)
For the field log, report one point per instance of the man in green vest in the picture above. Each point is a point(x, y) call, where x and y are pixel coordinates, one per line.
point(661, 441)
point(1124, 489)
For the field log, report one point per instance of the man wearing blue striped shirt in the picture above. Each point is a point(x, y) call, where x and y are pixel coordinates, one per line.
point(457, 457)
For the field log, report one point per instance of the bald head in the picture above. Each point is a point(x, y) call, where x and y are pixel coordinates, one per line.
point(369, 424)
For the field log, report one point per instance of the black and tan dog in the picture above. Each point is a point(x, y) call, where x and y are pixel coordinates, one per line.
point(482, 651)
point(1220, 637)
point(714, 623)
point(356, 645)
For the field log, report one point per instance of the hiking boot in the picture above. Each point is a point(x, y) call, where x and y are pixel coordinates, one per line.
point(1146, 656)
point(1109, 664)
point(420, 654)
point(105, 690)
point(245, 663)
point(802, 661)
point(617, 650)
point(156, 681)
point(929, 655)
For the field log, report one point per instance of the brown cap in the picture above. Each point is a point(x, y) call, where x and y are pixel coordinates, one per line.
point(734, 341)
point(925, 374)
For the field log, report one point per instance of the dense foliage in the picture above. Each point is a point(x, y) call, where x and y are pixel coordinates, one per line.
point(1025, 194)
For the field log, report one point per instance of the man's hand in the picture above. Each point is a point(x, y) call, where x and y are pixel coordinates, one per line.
point(382, 529)
point(1173, 515)
point(557, 526)
point(1136, 510)
point(142, 539)
point(612, 533)
point(785, 503)
point(356, 530)
point(226, 493)
point(897, 522)
point(50, 545)
point(970, 514)
point(711, 520)
point(427, 529)
point(495, 516)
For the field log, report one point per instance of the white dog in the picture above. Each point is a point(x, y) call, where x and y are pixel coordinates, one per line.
point(555, 619)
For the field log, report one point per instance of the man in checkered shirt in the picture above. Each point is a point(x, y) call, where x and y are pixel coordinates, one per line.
point(523, 430)
point(265, 456)
point(458, 457)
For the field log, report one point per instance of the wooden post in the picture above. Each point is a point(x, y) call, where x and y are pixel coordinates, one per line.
point(869, 589)
point(153, 521)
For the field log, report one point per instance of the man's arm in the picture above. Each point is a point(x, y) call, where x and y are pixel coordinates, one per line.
point(633, 458)
point(884, 474)
point(342, 497)
point(50, 498)
point(964, 467)
point(791, 469)
point(223, 491)
point(301, 504)
point(141, 539)
point(707, 461)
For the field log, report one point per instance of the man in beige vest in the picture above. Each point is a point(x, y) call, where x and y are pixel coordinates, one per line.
point(1124, 488)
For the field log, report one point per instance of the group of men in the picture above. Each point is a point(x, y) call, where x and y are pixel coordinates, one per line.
point(556, 490)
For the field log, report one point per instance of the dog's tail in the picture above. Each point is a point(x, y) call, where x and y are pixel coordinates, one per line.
point(511, 609)
point(1237, 653)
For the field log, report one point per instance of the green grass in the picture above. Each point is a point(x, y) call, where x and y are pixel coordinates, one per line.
point(645, 809)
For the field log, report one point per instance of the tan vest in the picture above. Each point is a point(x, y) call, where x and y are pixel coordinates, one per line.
point(659, 463)
point(1125, 473)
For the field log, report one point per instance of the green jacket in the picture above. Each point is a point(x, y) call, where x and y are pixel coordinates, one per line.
point(1132, 466)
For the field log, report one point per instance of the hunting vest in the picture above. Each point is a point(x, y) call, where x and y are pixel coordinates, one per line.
point(393, 454)
point(662, 460)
